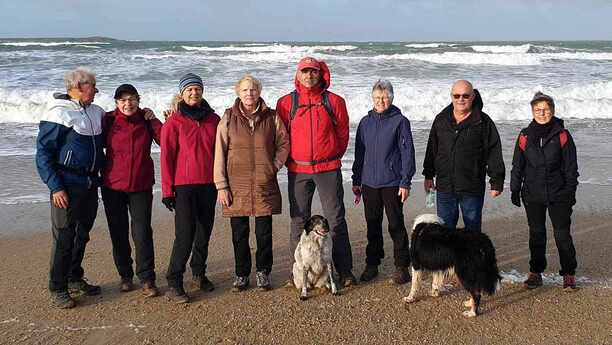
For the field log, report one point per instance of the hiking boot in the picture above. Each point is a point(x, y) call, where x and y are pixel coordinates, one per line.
point(240, 284)
point(569, 283)
point(534, 280)
point(126, 285)
point(369, 273)
point(177, 295)
point(205, 284)
point(347, 279)
point(149, 290)
point(62, 300)
point(401, 275)
point(82, 286)
point(263, 281)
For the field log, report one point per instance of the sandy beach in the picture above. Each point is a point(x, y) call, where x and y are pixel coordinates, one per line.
point(370, 313)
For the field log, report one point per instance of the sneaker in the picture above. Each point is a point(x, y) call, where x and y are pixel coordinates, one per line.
point(369, 273)
point(177, 295)
point(534, 280)
point(149, 290)
point(126, 285)
point(205, 284)
point(82, 286)
point(62, 300)
point(240, 284)
point(289, 284)
point(401, 275)
point(347, 279)
point(263, 281)
point(569, 283)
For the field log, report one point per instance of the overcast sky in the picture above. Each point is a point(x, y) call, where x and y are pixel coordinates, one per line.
point(313, 20)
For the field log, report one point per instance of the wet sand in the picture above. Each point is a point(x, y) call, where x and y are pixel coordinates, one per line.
point(370, 313)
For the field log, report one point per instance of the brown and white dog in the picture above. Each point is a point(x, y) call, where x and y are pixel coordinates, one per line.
point(468, 255)
point(313, 267)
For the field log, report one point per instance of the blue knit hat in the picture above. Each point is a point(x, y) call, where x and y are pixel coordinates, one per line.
point(188, 80)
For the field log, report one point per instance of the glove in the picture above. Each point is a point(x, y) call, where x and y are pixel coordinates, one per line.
point(169, 202)
point(516, 198)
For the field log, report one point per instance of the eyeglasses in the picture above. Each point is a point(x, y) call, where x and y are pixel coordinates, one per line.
point(464, 96)
point(542, 111)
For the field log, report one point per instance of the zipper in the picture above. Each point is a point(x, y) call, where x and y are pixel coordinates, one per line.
point(376, 143)
point(93, 140)
point(312, 134)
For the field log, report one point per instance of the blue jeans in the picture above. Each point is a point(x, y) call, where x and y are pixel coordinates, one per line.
point(471, 208)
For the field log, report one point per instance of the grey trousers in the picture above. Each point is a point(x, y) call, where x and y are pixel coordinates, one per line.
point(301, 188)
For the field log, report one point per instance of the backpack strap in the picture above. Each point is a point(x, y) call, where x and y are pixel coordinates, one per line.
point(324, 102)
point(563, 138)
point(522, 141)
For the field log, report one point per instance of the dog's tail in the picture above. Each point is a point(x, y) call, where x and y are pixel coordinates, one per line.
point(491, 278)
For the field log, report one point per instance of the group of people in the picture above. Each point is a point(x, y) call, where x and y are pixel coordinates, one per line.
point(234, 160)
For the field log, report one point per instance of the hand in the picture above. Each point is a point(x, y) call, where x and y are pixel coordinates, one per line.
point(403, 193)
point(429, 185)
point(495, 193)
point(60, 199)
point(516, 198)
point(169, 202)
point(148, 114)
point(225, 197)
point(167, 114)
point(357, 193)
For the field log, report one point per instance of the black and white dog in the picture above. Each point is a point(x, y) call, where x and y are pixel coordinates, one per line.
point(468, 255)
point(313, 267)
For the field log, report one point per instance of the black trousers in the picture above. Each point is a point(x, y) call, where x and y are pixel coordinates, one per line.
point(117, 205)
point(560, 217)
point(301, 188)
point(194, 217)
point(374, 201)
point(70, 228)
point(242, 251)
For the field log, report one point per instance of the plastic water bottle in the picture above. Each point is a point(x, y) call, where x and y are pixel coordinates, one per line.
point(430, 199)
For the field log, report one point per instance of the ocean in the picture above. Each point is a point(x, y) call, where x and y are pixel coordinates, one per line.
point(577, 74)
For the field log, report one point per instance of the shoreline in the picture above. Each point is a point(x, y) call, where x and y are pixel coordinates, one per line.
point(370, 313)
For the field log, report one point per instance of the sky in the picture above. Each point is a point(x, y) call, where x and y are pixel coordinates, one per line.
point(311, 20)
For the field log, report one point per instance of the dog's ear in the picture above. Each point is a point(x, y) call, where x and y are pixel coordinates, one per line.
point(308, 225)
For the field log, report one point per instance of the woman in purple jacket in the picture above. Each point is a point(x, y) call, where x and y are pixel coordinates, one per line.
point(382, 174)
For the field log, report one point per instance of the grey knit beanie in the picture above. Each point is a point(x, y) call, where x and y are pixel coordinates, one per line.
point(188, 80)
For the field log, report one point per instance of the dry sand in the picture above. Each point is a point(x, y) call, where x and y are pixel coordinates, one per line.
point(365, 314)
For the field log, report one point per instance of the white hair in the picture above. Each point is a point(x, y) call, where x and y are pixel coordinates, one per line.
point(384, 86)
point(427, 218)
point(79, 76)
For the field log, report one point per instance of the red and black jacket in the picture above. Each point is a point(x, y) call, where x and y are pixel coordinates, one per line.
point(318, 141)
point(545, 170)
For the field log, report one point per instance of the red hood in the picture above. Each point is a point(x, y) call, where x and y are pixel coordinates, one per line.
point(325, 78)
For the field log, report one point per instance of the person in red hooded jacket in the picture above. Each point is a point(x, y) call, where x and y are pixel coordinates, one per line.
point(318, 125)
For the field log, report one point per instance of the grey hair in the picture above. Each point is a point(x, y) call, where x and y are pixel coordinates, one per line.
point(385, 86)
point(79, 76)
point(250, 79)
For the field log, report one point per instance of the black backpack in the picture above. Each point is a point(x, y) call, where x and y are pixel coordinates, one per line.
point(324, 102)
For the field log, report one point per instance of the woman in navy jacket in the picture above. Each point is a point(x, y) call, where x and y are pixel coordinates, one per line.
point(545, 174)
point(382, 174)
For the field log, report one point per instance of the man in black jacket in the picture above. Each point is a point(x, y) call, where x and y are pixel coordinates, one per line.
point(463, 147)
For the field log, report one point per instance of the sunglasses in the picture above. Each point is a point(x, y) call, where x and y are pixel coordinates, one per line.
point(464, 96)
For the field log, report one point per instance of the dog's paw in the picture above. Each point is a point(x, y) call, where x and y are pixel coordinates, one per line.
point(435, 293)
point(303, 298)
point(469, 313)
point(468, 303)
point(409, 299)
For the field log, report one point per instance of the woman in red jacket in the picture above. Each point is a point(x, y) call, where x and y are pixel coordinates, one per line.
point(187, 153)
point(128, 181)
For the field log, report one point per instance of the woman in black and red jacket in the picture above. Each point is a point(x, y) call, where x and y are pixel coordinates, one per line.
point(187, 159)
point(128, 178)
point(545, 176)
